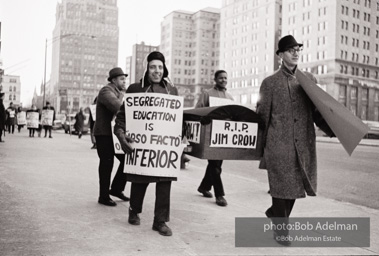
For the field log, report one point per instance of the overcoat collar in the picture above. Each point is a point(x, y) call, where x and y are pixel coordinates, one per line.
point(287, 72)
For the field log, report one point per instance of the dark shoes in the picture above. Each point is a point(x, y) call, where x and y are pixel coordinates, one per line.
point(94, 146)
point(107, 201)
point(133, 218)
point(50, 137)
point(205, 192)
point(80, 135)
point(162, 228)
point(119, 195)
point(220, 200)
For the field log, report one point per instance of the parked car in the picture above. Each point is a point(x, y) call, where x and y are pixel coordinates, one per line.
point(68, 124)
point(373, 133)
point(58, 122)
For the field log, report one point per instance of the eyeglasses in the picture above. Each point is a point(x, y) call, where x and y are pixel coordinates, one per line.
point(293, 50)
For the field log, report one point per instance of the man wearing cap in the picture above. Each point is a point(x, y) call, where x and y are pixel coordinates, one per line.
point(289, 139)
point(109, 101)
point(153, 81)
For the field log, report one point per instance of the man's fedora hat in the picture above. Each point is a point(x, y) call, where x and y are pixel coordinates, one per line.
point(115, 72)
point(287, 42)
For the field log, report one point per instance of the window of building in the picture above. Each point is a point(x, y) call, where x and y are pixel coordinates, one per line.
point(342, 94)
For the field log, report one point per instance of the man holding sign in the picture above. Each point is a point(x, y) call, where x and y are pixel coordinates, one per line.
point(47, 118)
point(155, 157)
point(108, 104)
point(212, 175)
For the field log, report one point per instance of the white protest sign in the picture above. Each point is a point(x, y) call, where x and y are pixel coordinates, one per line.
point(21, 118)
point(193, 131)
point(32, 119)
point(215, 102)
point(47, 117)
point(231, 134)
point(12, 113)
point(154, 121)
point(92, 108)
point(116, 141)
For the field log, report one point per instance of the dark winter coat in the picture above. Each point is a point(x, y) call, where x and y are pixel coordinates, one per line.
point(289, 138)
point(79, 121)
point(11, 113)
point(108, 104)
point(213, 92)
point(2, 115)
point(119, 128)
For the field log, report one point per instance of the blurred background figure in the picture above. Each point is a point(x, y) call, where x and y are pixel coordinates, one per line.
point(20, 123)
point(2, 116)
point(32, 130)
point(92, 119)
point(11, 118)
point(79, 122)
point(49, 127)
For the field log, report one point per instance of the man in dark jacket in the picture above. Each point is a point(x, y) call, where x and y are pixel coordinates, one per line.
point(109, 101)
point(212, 175)
point(49, 127)
point(79, 122)
point(2, 115)
point(11, 118)
point(152, 82)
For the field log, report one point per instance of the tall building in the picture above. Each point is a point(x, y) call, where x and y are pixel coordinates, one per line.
point(11, 86)
point(1, 65)
point(340, 47)
point(190, 43)
point(85, 48)
point(128, 69)
point(249, 34)
point(137, 67)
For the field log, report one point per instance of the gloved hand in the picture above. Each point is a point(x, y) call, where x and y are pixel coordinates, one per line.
point(125, 142)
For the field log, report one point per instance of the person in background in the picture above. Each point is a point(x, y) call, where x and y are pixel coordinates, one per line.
point(152, 82)
point(11, 118)
point(49, 127)
point(2, 115)
point(289, 140)
point(79, 122)
point(33, 109)
point(91, 125)
point(212, 175)
point(109, 101)
point(19, 126)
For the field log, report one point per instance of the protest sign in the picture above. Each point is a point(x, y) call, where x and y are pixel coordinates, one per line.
point(348, 128)
point(154, 121)
point(21, 118)
point(32, 119)
point(11, 113)
point(92, 108)
point(230, 134)
point(215, 102)
point(193, 130)
point(116, 141)
point(47, 117)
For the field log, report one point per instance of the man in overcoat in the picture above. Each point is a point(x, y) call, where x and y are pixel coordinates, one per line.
point(289, 138)
point(109, 101)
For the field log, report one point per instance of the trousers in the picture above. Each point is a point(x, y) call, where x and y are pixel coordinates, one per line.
point(212, 177)
point(105, 151)
point(162, 199)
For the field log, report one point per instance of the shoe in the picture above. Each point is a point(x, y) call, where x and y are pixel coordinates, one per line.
point(205, 193)
point(220, 200)
point(133, 218)
point(50, 137)
point(119, 195)
point(45, 136)
point(162, 228)
point(107, 201)
point(94, 146)
point(80, 136)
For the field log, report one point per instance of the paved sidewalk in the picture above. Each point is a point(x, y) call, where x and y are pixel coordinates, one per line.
point(48, 198)
point(364, 142)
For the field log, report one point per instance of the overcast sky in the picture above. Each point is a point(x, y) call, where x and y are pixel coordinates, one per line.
point(26, 24)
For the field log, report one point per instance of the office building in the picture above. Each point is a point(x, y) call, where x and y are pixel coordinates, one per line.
point(190, 43)
point(11, 86)
point(341, 47)
point(128, 69)
point(249, 33)
point(85, 48)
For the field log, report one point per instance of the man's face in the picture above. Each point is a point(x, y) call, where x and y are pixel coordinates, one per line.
point(156, 71)
point(120, 82)
point(291, 56)
point(222, 79)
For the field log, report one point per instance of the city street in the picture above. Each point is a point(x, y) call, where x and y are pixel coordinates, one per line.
point(49, 189)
